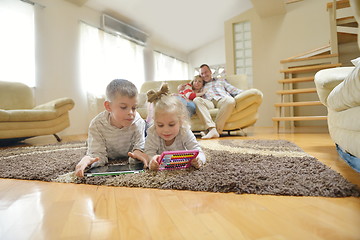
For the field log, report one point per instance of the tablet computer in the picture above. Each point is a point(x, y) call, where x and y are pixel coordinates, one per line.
point(170, 160)
point(115, 169)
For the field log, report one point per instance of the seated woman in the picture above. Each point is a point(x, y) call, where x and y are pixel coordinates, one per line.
point(189, 91)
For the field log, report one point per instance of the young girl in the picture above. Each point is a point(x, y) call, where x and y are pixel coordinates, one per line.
point(170, 130)
point(189, 91)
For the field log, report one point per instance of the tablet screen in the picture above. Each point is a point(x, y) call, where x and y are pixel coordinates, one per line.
point(115, 169)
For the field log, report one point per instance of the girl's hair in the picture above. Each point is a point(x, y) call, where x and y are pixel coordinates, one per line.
point(120, 87)
point(192, 81)
point(171, 104)
point(162, 102)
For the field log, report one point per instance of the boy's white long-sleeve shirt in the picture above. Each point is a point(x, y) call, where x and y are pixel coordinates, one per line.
point(109, 142)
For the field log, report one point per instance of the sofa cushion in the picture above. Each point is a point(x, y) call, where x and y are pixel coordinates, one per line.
point(347, 94)
point(15, 95)
point(47, 111)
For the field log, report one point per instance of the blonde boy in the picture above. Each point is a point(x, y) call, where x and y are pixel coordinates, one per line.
point(117, 132)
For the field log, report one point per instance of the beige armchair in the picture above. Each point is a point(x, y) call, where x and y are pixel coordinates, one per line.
point(21, 119)
point(244, 115)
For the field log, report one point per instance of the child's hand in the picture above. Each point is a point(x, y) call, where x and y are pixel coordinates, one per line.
point(85, 161)
point(181, 87)
point(140, 156)
point(201, 93)
point(154, 163)
point(196, 163)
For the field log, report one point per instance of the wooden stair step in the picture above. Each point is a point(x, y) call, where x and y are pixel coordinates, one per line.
point(347, 30)
point(324, 56)
point(296, 91)
point(298, 104)
point(346, 38)
point(313, 68)
point(296, 80)
point(339, 4)
point(345, 20)
point(303, 118)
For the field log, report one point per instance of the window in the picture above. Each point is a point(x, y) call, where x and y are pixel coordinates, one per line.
point(243, 50)
point(17, 44)
point(105, 57)
point(169, 68)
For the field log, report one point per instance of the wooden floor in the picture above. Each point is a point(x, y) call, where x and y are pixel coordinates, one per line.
point(40, 210)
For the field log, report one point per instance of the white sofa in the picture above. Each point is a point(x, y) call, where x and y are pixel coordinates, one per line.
point(339, 91)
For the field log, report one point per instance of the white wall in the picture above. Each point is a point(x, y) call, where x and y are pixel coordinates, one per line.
point(211, 54)
point(57, 57)
point(304, 27)
point(276, 38)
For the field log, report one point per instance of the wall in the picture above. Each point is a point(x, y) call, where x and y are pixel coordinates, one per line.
point(275, 38)
point(211, 54)
point(304, 26)
point(57, 57)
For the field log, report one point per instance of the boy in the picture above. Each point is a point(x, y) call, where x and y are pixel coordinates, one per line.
point(117, 132)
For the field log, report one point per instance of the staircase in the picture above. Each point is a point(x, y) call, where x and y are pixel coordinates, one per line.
point(298, 94)
point(343, 30)
point(298, 100)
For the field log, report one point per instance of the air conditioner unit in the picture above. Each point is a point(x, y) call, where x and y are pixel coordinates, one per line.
point(118, 27)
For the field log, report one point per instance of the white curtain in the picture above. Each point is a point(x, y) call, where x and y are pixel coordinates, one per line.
point(17, 44)
point(169, 68)
point(105, 57)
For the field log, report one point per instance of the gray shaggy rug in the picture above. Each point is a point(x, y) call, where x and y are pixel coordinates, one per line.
point(270, 167)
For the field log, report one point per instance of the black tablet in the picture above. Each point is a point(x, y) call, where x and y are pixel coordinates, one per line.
point(115, 169)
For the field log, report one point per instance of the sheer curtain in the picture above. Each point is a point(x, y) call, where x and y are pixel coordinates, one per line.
point(169, 68)
point(17, 44)
point(104, 57)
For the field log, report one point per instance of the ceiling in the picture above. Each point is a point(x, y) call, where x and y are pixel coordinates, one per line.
point(184, 25)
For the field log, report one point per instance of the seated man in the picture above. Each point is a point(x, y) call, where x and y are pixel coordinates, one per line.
point(220, 94)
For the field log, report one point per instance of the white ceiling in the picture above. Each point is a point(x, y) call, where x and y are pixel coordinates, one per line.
point(184, 25)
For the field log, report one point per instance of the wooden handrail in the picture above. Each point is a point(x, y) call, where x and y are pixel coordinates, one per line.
point(316, 50)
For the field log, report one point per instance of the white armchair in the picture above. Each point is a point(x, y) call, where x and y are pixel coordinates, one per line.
point(339, 91)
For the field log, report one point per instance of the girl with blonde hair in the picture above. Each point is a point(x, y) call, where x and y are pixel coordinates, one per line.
point(170, 130)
